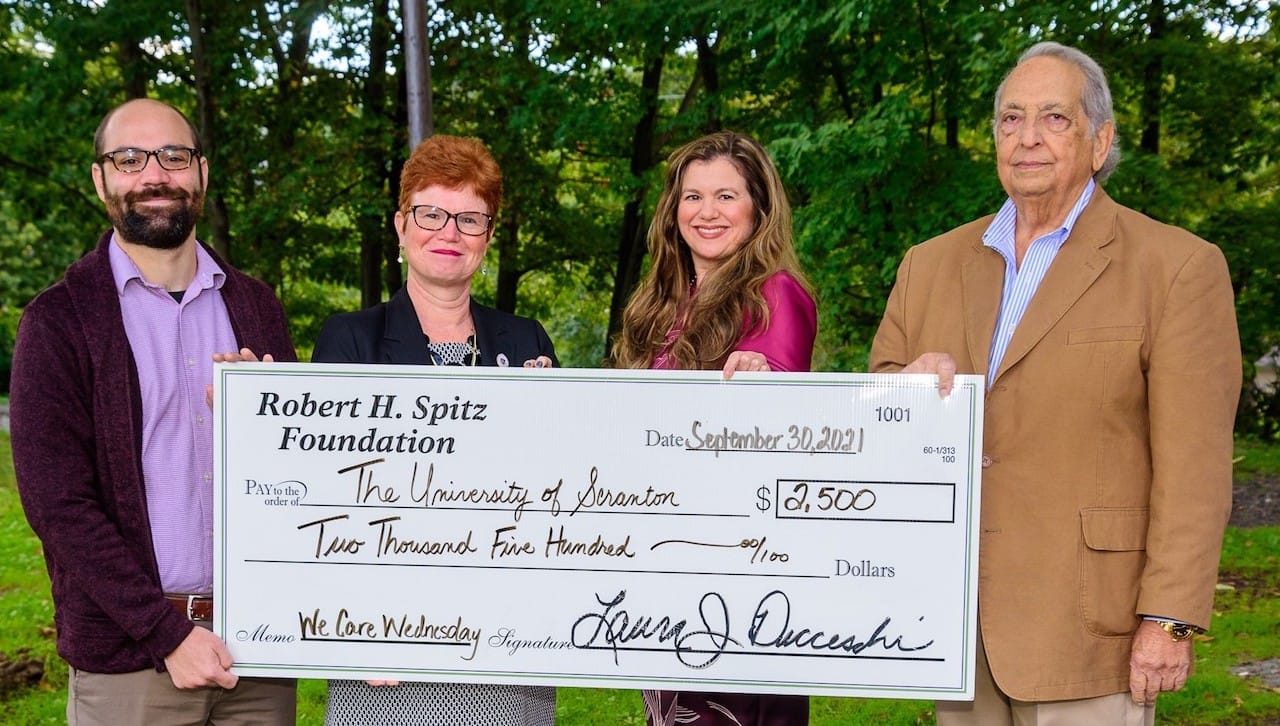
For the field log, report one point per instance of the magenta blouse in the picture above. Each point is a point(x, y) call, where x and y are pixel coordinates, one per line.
point(787, 342)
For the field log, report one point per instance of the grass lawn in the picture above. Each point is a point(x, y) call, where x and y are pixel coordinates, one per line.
point(1246, 628)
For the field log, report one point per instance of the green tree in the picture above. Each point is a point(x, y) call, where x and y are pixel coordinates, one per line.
point(878, 113)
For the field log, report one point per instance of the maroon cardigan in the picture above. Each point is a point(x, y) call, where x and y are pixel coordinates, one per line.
point(76, 422)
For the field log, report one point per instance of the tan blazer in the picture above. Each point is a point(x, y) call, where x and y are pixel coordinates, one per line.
point(1108, 428)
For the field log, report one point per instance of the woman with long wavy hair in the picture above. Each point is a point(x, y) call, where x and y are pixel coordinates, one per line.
point(725, 292)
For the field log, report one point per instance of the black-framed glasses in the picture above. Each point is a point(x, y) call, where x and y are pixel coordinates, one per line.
point(433, 218)
point(133, 161)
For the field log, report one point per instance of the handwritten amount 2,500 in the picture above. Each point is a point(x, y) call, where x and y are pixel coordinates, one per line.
point(803, 438)
point(827, 499)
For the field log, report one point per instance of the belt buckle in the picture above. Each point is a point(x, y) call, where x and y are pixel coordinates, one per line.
point(191, 607)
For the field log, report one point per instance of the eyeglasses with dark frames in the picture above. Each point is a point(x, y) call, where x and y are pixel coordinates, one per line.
point(134, 161)
point(433, 218)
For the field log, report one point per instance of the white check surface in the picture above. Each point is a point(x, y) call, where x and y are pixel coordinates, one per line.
point(779, 533)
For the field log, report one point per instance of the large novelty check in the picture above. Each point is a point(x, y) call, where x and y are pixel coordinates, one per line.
point(780, 533)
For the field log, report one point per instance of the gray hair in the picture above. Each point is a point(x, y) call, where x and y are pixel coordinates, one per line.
point(1095, 98)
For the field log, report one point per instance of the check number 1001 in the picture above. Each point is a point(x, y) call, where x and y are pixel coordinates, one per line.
point(893, 414)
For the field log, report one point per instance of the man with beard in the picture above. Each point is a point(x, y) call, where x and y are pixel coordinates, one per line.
point(113, 441)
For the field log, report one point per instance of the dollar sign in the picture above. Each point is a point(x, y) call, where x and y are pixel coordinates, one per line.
point(763, 494)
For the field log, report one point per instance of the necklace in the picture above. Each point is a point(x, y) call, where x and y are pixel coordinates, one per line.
point(454, 353)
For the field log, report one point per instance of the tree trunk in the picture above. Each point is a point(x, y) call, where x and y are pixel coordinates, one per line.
point(631, 245)
point(710, 73)
point(515, 159)
point(508, 263)
point(373, 230)
point(199, 29)
point(393, 270)
point(133, 69)
point(289, 40)
point(1152, 77)
point(931, 79)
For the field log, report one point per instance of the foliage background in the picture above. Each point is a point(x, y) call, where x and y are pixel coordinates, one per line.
point(877, 112)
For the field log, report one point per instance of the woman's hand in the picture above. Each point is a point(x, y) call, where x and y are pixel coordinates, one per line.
point(541, 361)
point(745, 360)
point(383, 683)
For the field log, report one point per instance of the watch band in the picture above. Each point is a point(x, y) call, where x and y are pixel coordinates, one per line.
point(1177, 631)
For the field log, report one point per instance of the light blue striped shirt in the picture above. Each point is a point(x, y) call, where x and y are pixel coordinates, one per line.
point(1021, 283)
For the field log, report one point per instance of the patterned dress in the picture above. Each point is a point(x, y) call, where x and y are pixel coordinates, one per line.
point(788, 346)
point(356, 703)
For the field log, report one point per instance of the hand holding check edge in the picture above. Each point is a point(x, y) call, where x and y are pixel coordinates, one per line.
point(201, 660)
point(941, 364)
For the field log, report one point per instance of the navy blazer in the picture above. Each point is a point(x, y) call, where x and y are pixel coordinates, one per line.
point(389, 332)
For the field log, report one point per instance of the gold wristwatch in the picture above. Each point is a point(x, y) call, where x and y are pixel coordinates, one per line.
point(1177, 631)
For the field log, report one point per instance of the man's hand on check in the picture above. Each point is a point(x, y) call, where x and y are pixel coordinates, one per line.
point(244, 355)
point(200, 660)
point(940, 363)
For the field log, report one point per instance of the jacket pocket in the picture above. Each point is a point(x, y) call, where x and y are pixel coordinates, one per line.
point(1114, 355)
point(1112, 558)
point(1108, 334)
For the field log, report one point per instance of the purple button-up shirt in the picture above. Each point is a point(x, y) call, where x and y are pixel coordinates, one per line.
point(173, 345)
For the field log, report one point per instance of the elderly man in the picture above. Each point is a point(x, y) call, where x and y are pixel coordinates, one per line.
point(1109, 346)
point(113, 442)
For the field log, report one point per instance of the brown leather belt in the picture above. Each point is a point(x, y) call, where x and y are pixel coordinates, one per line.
point(197, 608)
